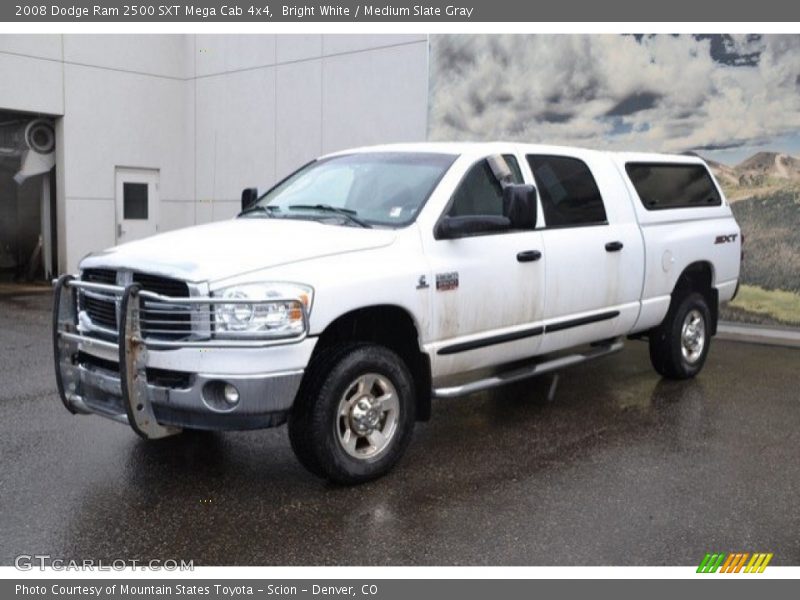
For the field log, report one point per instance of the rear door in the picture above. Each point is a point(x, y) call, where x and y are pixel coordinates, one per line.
point(592, 247)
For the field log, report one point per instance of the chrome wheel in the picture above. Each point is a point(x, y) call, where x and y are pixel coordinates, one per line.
point(693, 336)
point(367, 417)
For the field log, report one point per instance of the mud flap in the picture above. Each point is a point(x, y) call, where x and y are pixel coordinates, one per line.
point(133, 372)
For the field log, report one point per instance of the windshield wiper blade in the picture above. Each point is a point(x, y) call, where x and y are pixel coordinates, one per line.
point(348, 213)
point(267, 210)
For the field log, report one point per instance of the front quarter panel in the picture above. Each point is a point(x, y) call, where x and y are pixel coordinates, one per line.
point(389, 275)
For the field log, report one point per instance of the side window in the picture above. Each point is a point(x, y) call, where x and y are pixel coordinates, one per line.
point(673, 186)
point(479, 193)
point(568, 191)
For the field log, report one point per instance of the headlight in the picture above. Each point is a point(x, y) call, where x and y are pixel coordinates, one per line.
point(262, 310)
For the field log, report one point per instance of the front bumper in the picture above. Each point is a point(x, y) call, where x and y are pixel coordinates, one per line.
point(159, 389)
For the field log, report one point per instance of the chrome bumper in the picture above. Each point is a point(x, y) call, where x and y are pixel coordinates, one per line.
point(115, 384)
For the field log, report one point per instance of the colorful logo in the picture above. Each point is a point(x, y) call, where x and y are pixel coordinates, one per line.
point(734, 562)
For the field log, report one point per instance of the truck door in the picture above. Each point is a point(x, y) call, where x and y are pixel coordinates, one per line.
point(487, 290)
point(593, 250)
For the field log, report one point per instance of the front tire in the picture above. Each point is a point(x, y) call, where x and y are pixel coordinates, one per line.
point(354, 414)
point(679, 346)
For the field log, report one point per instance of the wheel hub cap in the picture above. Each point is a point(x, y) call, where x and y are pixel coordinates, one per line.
point(365, 416)
point(693, 336)
point(368, 415)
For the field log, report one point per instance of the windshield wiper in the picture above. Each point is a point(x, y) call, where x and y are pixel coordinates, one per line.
point(258, 208)
point(349, 214)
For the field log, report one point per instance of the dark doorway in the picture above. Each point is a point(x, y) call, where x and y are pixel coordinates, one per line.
point(27, 197)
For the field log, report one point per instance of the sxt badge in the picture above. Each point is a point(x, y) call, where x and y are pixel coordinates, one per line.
point(725, 239)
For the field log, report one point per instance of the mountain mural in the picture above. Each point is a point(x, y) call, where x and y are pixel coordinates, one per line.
point(760, 174)
point(764, 191)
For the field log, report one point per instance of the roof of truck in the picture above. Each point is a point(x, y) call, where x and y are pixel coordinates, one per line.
point(499, 146)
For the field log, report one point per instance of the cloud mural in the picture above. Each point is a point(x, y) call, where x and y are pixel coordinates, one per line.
point(658, 92)
point(735, 100)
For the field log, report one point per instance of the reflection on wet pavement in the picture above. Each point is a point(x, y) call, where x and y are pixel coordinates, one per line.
point(622, 468)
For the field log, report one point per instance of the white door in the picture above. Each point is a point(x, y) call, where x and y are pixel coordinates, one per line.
point(487, 290)
point(137, 203)
point(593, 255)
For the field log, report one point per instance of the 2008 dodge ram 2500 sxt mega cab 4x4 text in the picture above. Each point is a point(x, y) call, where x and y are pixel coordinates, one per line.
point(370, 281)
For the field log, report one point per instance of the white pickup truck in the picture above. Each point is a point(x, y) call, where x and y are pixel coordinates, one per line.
point(372, 280)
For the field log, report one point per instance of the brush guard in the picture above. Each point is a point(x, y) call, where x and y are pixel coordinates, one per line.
point(68, 340)
point(131, 347)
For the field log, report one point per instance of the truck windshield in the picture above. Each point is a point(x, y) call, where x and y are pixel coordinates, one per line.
point(373, 188)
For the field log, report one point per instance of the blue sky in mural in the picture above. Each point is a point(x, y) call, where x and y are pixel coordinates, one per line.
point(789, 144)
point(724, 97)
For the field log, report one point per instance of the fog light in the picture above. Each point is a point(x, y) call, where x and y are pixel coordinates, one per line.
point(231, 394)
point(221, 396)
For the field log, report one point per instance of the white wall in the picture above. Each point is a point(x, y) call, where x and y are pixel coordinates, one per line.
point(213, 113)
point(31, 76)
point(266, 104)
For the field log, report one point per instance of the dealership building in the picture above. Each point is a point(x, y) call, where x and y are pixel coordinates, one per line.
point(109, 138)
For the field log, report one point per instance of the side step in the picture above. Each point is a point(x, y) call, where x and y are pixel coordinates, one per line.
point(555, 364)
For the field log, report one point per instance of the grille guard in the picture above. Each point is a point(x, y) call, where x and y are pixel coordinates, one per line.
point(131, 346)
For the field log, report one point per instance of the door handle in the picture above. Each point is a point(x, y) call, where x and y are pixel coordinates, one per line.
point(613, 246)
point(529, 256)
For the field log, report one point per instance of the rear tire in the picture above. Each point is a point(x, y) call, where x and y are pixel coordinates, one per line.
point(679, 346)
point(354, 414)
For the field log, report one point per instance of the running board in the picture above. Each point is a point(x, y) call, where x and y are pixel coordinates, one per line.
point(513, 375)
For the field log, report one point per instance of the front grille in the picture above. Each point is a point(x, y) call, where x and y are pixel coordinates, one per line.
point(162, 285)
point(100, 306)
point(101, 312)
point(159, 320)
point(106, 276)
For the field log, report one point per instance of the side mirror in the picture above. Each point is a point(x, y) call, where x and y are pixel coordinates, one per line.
point(519, 205)
point(450, 228)
point(249, 196)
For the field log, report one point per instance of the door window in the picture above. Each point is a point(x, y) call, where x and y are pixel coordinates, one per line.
point(480, 193)
point(568, 191)
point(134, 200)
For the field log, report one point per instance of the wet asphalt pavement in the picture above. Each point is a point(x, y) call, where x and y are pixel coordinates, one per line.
point(623, 469)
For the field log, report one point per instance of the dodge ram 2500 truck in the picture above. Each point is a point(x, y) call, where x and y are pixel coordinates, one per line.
point(370, 281)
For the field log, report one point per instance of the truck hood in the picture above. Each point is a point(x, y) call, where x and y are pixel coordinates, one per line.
point(236, 247)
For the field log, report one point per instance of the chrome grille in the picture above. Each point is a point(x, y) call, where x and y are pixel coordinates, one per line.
point(101, 312)
point(100, 307)
point(159, 320)
point(106, 276)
